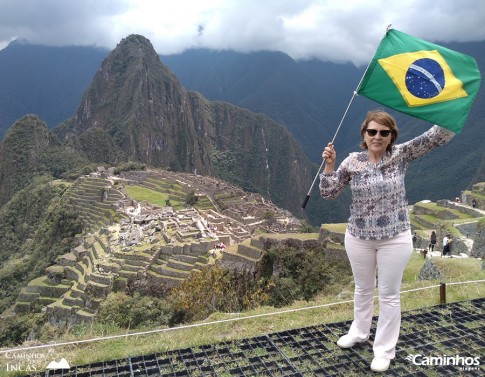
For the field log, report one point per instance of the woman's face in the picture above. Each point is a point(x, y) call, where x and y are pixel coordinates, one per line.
point(377, 143)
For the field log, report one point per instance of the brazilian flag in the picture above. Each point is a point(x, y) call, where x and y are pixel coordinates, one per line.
point(422, 79)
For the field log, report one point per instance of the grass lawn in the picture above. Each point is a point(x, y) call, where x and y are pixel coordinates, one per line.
point(141, 193)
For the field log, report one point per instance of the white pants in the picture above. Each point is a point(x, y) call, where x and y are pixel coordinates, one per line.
point(390, 258)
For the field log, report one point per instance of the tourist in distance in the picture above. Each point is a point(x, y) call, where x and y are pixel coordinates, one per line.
point(432, 241)
point(446, 245)
point(378, 235)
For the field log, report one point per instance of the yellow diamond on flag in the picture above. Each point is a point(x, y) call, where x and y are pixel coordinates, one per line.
point(423, 77)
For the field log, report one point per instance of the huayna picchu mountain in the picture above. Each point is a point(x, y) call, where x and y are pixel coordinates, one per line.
point(136, 110)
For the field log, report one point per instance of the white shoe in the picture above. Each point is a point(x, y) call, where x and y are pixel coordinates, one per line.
point(346, 341)
point(380, 364)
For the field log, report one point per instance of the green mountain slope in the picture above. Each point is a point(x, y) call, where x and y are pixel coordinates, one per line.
point(307, 97)
point(135, 109)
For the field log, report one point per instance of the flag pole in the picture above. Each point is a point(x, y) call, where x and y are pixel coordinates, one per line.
point(323, 162)
point(338, 128)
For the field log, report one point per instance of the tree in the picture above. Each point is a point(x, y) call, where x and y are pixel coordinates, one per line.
point(191, 199)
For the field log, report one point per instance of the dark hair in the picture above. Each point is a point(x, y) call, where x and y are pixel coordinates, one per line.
point(383, 118)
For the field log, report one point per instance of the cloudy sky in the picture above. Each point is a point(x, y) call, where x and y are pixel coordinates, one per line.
point(334, 30)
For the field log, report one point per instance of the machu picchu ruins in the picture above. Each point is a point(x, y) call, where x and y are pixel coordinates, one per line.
point(126, 239)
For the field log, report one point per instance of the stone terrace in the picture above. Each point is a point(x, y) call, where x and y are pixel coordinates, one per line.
point(125, 240)
point(465, 223)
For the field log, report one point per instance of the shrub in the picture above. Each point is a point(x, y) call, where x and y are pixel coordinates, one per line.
point(133, 311)
point(215, 289)
point(130, 165)
point(16, 329)
point(305, 227)
point(76, 172)
point(301, 274)
point(191, 199)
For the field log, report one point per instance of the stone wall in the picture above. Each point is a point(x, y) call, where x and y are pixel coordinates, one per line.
point(478, 250)
point(468, 210)
point(469, 230)
point(458, 246)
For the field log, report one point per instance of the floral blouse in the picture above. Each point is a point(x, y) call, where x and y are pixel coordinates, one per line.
point(379, 207)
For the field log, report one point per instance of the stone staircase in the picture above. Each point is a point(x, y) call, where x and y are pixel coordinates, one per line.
point(174, 263)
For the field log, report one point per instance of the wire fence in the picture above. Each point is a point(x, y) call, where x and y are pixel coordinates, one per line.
point(212, 323)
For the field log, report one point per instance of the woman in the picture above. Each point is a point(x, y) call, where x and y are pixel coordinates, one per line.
point(378, 235)
point(432, 241)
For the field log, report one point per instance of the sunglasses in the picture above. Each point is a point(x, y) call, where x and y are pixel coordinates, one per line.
point(383, 133)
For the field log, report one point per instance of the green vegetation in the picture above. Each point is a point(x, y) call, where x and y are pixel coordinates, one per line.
point(260, 320)
point(307, 227)
point(215, 290)
point(225, 164)
point(63, 162)
point(441, 212)
point(339, 228)
point(431, 215)
point(460, 269)
point(36, 227)
point(191, 199)
point(79, 171)
point(168, 194)
point(453, 270)
point(130, 165)
point(158, 198)
point(302, 274)
point(125, 311)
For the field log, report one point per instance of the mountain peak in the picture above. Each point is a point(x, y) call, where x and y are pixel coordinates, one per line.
point(136, 46)
point(129, 91)
point(20, 153)
point(136, 110)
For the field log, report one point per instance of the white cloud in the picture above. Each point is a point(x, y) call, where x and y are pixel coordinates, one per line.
point(336, 30)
